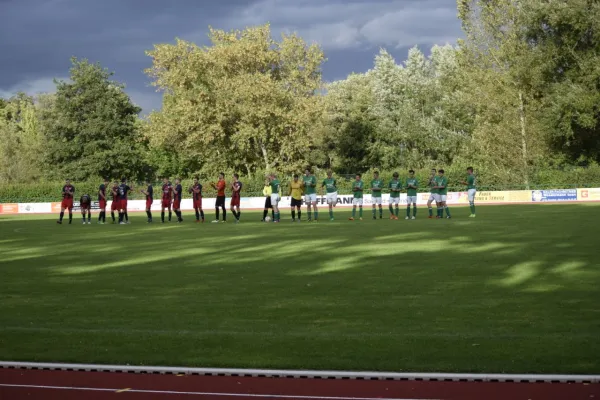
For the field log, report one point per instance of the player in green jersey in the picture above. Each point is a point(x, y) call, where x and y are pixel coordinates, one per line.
point(330, 185)
point(434, 193)
point(442, 186)
point(412, 183)
point(395, 187)
point(471, 190)
point(376, 186)
point(310, 193)
point(357, 189)
point(275, 195)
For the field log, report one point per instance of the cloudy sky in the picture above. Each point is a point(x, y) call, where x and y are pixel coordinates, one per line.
point(37, 37)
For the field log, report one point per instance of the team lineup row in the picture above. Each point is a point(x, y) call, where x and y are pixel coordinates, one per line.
point(171, 196)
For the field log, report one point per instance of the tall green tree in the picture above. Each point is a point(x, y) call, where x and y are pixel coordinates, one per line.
point(92, 131)
point(247, 101)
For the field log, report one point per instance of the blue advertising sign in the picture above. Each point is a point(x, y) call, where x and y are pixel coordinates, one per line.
point(554, 195)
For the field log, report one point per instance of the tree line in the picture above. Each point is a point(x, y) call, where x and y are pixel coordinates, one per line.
point(518, 98)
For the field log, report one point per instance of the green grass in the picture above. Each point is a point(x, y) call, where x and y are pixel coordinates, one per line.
point(515, 290)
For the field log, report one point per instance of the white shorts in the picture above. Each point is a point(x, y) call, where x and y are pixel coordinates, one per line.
point(357, 202)
point(434, 197)
point(395, 200)
point(411, 200)
point(310, 198)
point(376, 200)
point(332, 198)
point(275, 199)
point(471, 194)
point(442, 197)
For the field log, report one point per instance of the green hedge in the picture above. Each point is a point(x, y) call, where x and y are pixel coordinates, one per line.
point(572, 177)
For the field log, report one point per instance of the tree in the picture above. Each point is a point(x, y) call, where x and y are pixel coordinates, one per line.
point(247, 101)
point(91, 130)
point(21, 141)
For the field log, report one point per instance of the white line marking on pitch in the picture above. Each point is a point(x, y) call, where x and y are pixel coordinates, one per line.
point(261, 396)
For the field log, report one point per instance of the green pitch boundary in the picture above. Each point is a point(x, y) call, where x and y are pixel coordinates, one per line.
point(267, 373)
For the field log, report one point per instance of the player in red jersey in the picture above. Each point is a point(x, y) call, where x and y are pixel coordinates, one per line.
point(177, 195)
point(67, 201)
point(236, 187)
point(85, 204)
point(149, 192)
point(115, 204)
point(196, 190)
point(102, 201)
point(167, 197)
point(220, 188)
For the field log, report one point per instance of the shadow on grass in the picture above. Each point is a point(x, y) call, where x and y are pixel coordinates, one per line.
point(514, 291)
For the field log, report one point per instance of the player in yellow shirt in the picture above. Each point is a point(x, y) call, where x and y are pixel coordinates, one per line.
point(296, 191)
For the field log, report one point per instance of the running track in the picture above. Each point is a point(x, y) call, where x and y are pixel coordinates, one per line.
point(98, 382)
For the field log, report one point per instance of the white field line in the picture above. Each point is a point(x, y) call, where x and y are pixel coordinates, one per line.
point(305, 373)
point(212, 394)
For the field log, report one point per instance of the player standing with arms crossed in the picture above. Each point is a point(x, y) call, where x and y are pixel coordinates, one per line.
point(310, 196)
point(275, 196)
point(330, 185)
point(471, 190)
point(220, 188)
point(433, 192)
point(442, 186)
point(85, 204)
point(376, 186)
point(68, 191)
point(149, 193)
point(102, 201)
point(177, 195)
point(412, 184)
point(295, 192)
point(167, 198)
point(196, 190)
point(357, 189)
point(395, 187)
point(234, 204)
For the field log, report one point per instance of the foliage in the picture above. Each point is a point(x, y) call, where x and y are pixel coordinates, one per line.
point(91, 129)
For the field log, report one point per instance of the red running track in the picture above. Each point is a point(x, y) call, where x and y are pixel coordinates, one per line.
point(34, 384)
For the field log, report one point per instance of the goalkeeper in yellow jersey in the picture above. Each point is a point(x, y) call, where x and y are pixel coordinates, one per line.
point(296, 190)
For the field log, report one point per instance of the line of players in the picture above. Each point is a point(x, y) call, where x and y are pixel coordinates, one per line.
point(171, 196)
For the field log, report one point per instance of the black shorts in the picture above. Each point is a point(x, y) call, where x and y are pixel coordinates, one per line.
point(220, 202)
point(296, 202)
point(268, 202)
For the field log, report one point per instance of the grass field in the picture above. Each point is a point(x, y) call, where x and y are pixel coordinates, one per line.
point(515, 290)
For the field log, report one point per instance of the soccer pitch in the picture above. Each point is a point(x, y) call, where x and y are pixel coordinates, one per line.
point(516, 289)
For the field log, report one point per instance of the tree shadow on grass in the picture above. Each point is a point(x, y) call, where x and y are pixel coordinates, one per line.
point(510, 293)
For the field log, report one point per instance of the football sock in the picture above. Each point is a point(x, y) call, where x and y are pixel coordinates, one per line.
point(330, 213)
point(391, 209)
point(309, 214)
point(62, 215)
point(100, 216)
point(149, 214)
point(197, 215)
point(265, 212)
point(440, 212)
point(380, 212)
point(316, 214)
point(224, 215)
point(90, 217)
point(374, 212)
point(397, 210)
point(414, 210)
point(126, 216)
point(472, 207)
point(408, 211)
point(430, 212)
point(169, 215)
point(70, 217)
point(273, 215)
point(162, 216)
point(120, 217)
point(447, 210)
point(353, 212)
point(202, 214)
point(360, 210)
point(239, 213)
point(299, 214)
point(293, 214)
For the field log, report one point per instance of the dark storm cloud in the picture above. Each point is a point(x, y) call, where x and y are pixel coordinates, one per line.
point(37, 37)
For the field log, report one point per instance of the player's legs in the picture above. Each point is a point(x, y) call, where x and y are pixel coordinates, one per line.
point(315, 208)
point(429, 207)
point(125, 211)
point(445, 206)
point(471, 194)
point(414, 216)
point(391, 208)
